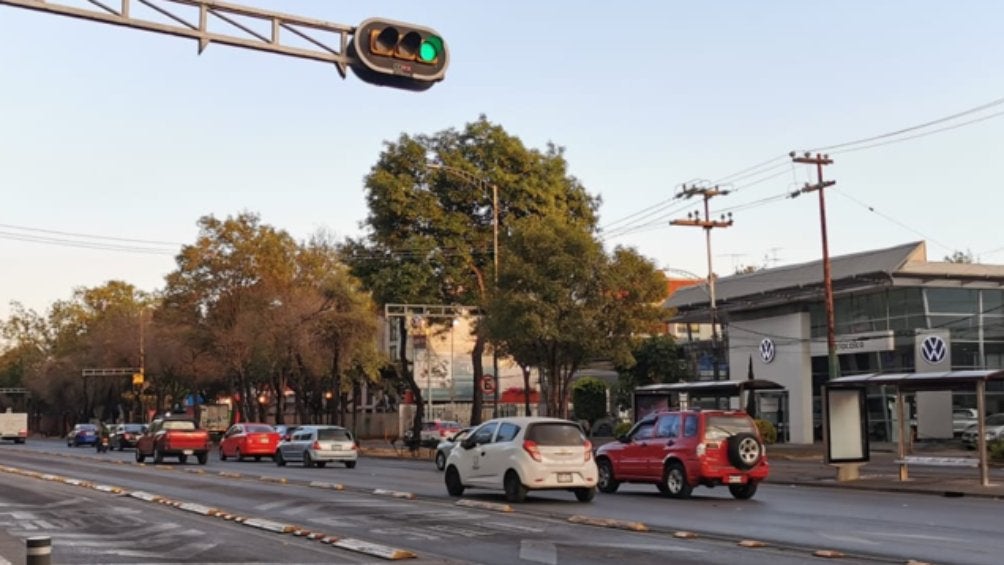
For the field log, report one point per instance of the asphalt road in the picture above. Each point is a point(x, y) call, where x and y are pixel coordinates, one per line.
point(794, 522)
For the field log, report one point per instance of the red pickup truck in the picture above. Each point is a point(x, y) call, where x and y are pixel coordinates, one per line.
point(173, 436)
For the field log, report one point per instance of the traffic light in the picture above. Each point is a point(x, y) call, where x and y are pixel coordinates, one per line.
point(397, 54)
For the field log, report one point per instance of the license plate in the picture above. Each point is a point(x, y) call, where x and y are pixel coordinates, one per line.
point(735, 479)
point(564, 477)
point(263, 440)
point(188, 452)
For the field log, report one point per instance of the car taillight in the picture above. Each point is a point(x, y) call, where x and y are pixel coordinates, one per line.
point(316, 445)
point(355, 446)
point(588, 447)
point(127, 436)
point(531, 448)
point(701, 449)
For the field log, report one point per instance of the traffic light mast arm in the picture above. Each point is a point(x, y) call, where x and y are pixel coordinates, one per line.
point(182, 12)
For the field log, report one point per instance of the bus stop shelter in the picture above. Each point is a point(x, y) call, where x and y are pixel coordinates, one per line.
point(666, 396)
point(846, 419)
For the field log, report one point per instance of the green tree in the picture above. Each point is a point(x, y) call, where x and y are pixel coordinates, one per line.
point(656, 359)
point(589, 398)
point(430, 231)
point(563, 301)
point(960, 257)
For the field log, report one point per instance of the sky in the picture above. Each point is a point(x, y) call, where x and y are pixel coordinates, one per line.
point(130, 137)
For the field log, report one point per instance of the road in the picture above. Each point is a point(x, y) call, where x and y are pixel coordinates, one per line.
point(794, 522)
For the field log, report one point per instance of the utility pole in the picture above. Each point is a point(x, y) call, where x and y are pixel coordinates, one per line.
point(831, 332)
point(694, 219)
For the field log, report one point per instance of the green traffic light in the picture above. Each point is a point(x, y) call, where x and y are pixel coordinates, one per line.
point(430, 49)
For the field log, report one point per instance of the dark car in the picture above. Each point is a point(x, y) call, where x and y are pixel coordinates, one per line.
point(126, 435)
point(83, 434)
point(677, 451)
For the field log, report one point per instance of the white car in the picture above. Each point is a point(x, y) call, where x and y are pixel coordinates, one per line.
point(316, 446)
point(518, 455)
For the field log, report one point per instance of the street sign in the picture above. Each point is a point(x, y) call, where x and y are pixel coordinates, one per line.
point(488, 384)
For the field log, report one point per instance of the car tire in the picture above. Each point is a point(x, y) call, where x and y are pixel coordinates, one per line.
point(158, 457)
point(440, 460)
point(515, 491)
point(237, 454)
point(674, 481)
point(202, 457)
point(321, 464)
point(279, 460)
point(307, 460)
point(182, 459)
point(223, 456)
point(585, 494)
point(743, 492)
point(350, 464)
point(745, 451)
point(257, 458)
point(139, 456)
point(606, 482)
point(453, 484)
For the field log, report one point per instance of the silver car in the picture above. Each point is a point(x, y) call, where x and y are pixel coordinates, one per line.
point(994, 431)
point(316, 446)
point(446, 446)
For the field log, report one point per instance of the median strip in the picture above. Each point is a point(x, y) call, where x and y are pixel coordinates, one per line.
point(373, 549)
point(270, 525)
point(608, 523)
point(332, 486)
point(394, 493)
point(498, 507)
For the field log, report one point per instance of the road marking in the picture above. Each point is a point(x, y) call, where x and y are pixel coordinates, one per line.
point(271, 505)
point(538, 551)
point(846, 538)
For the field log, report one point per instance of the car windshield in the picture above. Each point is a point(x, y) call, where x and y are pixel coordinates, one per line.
point(721, 427)
point(86, 427)
point(179, 425)
point(332, 434)
point(259, 429)
point(556, 433)
point(133, 428)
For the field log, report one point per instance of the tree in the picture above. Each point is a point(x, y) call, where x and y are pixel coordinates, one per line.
point(430, 231)
point(656, 359)
point(562, 301)
point(960, 257)
point(589, 397)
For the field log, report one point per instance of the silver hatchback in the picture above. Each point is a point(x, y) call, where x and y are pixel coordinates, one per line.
point(316, 446)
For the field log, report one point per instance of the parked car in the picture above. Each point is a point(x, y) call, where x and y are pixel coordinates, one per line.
point(83, 434)
point(126, 435)
point(518, 455)
point(679, 450)
point(284, 431)
point(962, 418)
point(173, 436)
point(249, 440)
point(994, 431)
point(316, 446)
point(435, 431)
point(446, 446)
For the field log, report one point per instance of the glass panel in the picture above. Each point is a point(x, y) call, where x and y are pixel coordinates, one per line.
point(507, 432)
point(484, 433)
point(962, 327)
point(333, 434)
point(993, 328)
point(905, 301)
point(179, 425)
point(952, 300)
point(993, 302)
point(669, 426)
point(965, 355)
point(721, 427)
point(690, 426)
point(558, 433)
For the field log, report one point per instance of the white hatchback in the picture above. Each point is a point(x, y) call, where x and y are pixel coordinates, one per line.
point(523, 454)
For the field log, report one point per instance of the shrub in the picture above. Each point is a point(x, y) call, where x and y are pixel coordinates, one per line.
point(996, 449)
point(767, 431)
point(589, 397)
point(622, 428)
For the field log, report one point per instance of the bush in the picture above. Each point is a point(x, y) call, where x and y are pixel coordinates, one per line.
point(767, 431)
point(589, 397)
point(996, 449)
point(622, 428)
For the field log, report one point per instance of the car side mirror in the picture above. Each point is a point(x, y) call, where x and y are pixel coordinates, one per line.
point(468, 443)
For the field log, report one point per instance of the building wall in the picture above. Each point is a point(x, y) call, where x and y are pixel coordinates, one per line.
point(790, 366)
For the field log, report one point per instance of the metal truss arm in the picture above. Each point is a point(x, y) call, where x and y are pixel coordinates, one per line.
point(181, 13)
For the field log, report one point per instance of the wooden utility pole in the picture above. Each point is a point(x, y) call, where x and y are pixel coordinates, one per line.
point(831, 331)
point(694, 219)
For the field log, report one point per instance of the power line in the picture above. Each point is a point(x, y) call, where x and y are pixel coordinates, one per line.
point(89, 236)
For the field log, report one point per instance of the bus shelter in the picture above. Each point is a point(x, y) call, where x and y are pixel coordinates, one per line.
point(668, 396)
point(846, 419)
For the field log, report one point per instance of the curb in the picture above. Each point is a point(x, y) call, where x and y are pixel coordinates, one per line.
point(608, 523)
point(498, 507)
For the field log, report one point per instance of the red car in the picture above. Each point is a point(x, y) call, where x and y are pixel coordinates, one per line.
point(249, 439)
point(173, 436)
point(677, 451)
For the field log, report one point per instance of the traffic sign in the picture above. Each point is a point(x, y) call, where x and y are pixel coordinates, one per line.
point(488, 384)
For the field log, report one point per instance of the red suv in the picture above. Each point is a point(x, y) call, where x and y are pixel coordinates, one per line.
point(680, 450)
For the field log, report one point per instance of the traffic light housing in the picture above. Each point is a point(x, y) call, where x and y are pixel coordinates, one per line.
point(398, 54)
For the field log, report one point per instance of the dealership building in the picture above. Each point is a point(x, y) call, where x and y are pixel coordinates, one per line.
point(895, 311)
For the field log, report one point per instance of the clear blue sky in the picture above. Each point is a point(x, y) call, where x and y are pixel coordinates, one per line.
point(123, 133)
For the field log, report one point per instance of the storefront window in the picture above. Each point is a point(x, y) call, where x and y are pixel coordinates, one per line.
point(993, 302)
point(962, 327)
point(952, 300)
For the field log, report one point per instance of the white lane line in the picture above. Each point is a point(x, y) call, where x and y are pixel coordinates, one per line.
point(139, 533)
point(538, 551)
point(271, 505)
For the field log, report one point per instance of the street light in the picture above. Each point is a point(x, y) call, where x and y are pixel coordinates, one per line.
point(495, 256)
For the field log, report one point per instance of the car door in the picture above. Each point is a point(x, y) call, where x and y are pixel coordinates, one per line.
point(227, 443)
point(473, 472)
point(664, 442)
point(631, 460)
point(292, 450)
point(495, 455)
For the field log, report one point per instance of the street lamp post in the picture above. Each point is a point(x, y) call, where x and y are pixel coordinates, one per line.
point(495, 258)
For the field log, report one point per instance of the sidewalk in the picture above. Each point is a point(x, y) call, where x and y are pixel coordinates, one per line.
point(803, 465)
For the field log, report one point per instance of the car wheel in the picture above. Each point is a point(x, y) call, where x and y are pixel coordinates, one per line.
point(743, 492)
point(350, 464)
point(674, 481)
point(307, 460)
point(139, 456)
point(279, 461)
point(514, 489)
point(182, 459)
point(440, 460)
point(745, 451)
point(453, 484)
point(606, 482)
point(158, 457)
point(223, 456)
point(257, 458)
point(585, 494)
point(202, 457)
point(321, 464)
point(237, 454)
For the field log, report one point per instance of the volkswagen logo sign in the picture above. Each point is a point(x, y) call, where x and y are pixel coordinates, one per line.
point(767, 350)
point(934, 349)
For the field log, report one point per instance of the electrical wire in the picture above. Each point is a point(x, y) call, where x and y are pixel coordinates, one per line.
point(89, 236)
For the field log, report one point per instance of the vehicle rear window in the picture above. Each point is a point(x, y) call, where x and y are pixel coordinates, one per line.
point(721, 427)
point(557, 433)
point(329, 434)
point(179, 425)
point(261, 429)
point(135, 428)
point(87, 427)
